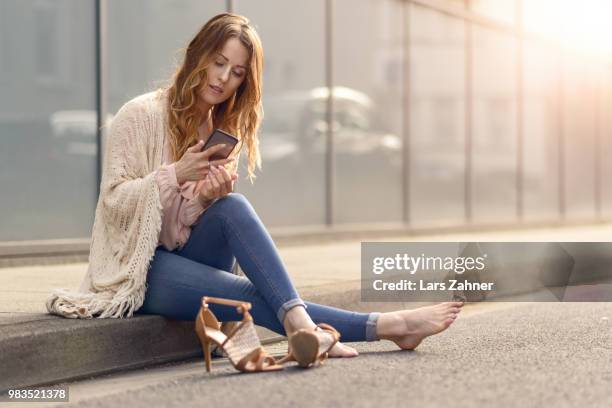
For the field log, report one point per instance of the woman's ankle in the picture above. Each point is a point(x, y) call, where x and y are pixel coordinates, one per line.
point(386, 325)
point(297, 318)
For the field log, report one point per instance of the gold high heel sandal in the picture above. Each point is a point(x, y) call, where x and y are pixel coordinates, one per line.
point(305, 348)
point(242, 345)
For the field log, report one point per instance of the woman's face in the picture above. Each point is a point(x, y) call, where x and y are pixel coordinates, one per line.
point(225, 73)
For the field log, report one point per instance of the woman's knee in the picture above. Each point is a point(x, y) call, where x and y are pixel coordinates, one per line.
point(234, 203)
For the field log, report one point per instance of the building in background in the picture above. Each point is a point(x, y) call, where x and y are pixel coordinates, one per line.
point(441, 113)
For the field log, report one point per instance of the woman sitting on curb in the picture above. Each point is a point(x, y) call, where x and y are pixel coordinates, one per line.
point(168, 226)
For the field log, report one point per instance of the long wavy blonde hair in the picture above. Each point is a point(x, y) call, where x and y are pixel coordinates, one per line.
point(241, 114)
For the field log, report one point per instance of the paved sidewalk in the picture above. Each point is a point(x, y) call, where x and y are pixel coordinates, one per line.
point(37, 348)
point(521, 355)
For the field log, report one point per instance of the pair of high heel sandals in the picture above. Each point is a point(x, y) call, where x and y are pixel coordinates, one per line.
point(243, 347)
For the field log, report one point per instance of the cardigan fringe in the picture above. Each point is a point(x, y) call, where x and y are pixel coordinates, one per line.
point(127, 220)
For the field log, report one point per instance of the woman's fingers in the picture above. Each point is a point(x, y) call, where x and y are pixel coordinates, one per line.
point(196, 147)
point(207, 188)
point(218, 182)
point(227, 180)
point(222, 162)
point(206, 154)
point(220, 178)
point(216, 186)
point(212, 150)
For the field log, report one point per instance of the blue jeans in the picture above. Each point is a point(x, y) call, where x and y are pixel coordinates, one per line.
point(227, 231)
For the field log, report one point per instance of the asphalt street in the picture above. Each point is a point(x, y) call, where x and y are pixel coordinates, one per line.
point(523, 355)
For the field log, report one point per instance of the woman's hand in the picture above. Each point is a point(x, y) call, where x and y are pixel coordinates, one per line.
point(218, 183)
point(195, 165)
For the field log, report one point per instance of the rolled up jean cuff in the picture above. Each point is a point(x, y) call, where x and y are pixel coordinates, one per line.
point(371, 327)
point(282, 312)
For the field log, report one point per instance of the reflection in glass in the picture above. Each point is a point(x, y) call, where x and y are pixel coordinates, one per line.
point(500, 10)
point(494, 108)
point(290, 188)
point(605, 134)
point(367, 117)
point(47, 119)
point(579, 137)
point(541, 131)
point(437, 118)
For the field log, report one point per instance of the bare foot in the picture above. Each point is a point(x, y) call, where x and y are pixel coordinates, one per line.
point(342, 350)
point(407, 328)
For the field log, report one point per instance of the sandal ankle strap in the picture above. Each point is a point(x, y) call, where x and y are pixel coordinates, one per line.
point(330, 329)
point(242, 306)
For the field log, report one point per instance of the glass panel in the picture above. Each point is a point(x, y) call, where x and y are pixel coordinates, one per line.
point(501, 10)
point(494, 126)
point(583, 26)
point(541, 132)
point(579, 137)
point(290, 189)
point(437, 118)
point(605, 119)
point(544, 17)
point(367, 123)
point(47, 119)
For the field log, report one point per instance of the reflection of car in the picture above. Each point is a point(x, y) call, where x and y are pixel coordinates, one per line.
point(293, 146)
point(75, 131)
point(295, 127)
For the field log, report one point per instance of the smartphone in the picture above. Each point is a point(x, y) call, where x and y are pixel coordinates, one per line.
point(221, 137)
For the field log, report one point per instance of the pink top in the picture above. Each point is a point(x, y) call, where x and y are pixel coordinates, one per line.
point(181, 207)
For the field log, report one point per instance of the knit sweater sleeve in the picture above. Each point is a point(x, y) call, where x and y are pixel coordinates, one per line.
point(125, 166)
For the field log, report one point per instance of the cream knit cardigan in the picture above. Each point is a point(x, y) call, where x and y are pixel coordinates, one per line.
point(128, 216)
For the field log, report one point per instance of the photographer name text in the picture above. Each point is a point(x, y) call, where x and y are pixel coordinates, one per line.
point(452, 284)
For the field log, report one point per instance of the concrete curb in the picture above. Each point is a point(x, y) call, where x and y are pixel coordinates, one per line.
point(42, 349)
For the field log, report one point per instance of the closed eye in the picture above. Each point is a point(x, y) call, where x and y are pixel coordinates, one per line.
point(220, 64)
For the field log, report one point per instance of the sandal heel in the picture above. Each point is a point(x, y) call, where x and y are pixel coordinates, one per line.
point(205, 343)
point(305, 349)
point(241, 345)
point(206, 350)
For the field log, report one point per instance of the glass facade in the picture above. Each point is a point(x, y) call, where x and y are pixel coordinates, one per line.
point(47, 119)
point(292, 134)
point(367, 110)
point(541, 132)
point(605, 138)
point(418, 114)
point(437, 118)
point(493, 126)
point(503, 11)
point(579, 128)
